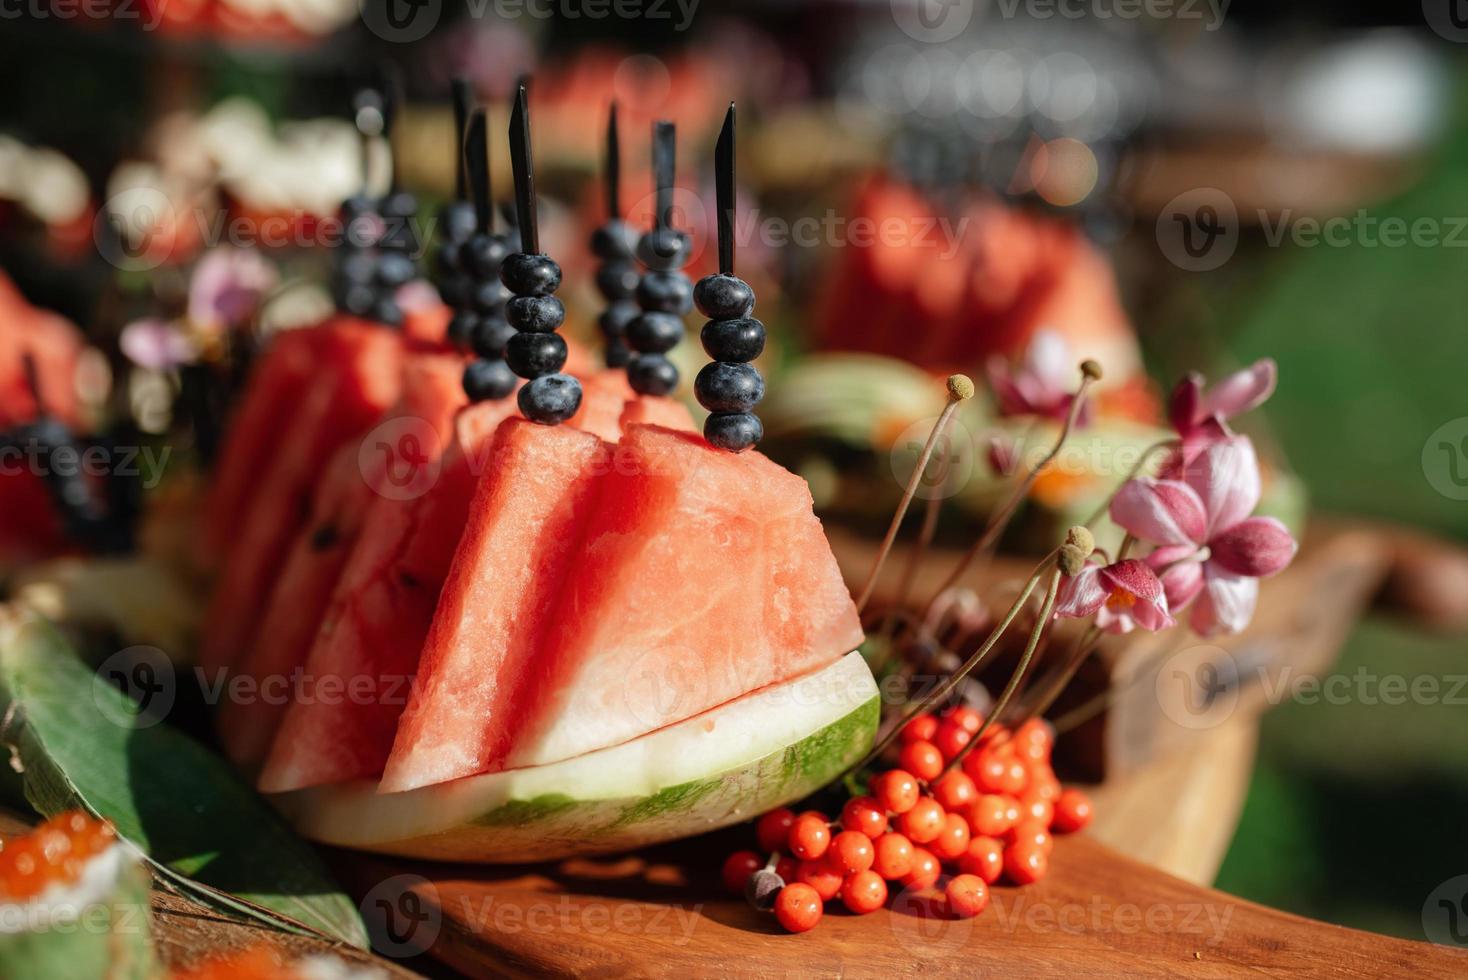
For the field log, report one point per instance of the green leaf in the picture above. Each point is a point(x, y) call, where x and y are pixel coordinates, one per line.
point(79, 743)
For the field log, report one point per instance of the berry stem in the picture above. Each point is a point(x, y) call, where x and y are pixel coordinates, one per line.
point(960, 388)
point(942, 691)
point(1001, 518)
point(1046, 608)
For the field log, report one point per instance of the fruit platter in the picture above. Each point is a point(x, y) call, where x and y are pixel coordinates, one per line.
point(458, 614)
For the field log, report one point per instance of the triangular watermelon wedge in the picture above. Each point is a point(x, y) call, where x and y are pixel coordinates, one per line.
point(355, 379)
point(702, 575)
point(356, 477)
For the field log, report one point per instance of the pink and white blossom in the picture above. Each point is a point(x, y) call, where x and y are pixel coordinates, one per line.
point(1042, 384)
point(1122, 596)
point(1200, 414)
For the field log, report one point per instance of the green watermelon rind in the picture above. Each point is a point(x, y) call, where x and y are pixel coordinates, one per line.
point(573, 807)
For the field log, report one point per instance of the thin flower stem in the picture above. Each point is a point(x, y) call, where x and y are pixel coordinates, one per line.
point(1046, 608)
point(946, 688)
point(1103, 699)
point(1131, 475)
point(907, 494)
point(1000, 520)
point(1052, 686)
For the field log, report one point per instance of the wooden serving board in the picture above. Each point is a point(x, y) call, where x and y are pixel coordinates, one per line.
point(664, 914)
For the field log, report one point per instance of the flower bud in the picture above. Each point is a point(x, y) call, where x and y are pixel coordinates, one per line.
point(762, 887)
point(1080, 536)
point(1091, 369)
point(1072, 559)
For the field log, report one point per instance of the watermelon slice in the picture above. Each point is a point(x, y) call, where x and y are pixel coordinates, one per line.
point(355, 378)
point(655, 410)
point(354, 478)
point(702, 576)
point(764, 750)
point(604, 394)
point(523, 533)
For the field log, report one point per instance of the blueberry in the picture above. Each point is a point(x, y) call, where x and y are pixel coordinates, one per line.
point(655, 333)
point(529, 274)
point(491, 336)
point(398, 235)
point(652, 374)
point(533, 355)
point(446, 259)
point(387, 311)
point(457, 221)
point(735, 431)
point(723, 297)
point(666, 292)
point(617, 280)
point(614, 240)
point(535, 314)
point(617, 353)
point(454, 290)
point(356, 206)
point(663, 250)
point(727, 388)
point(483, 254)
point(399, 204)
point(462, 327)
point(357, 299)
point(733, 340)
point(551, 399)
point(615, 318)
point(486, 380)
point(488, 296)
point(394, 269)
point(359, 266)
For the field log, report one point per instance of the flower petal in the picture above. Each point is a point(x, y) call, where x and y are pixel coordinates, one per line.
point(1007, 393)
point(226, 286)
point(1258, 546)
point(1225, 477)
point(1242, 390)
point(1226, 604)
point(1165, 512)
point(155, 345)
point(1081, 594)
point(1182, 409)
point(1132, 575)
point(1048, 359)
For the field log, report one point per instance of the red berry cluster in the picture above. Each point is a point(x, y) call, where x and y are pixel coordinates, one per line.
point(989, 818)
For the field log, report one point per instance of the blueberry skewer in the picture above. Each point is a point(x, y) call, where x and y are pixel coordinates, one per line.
point(729, 387)
point(458, 219)
point(664, 294)
point(535, 351)
point(614, 243)
point(482, 326)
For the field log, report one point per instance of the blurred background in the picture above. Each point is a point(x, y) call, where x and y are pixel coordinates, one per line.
point(922, 186)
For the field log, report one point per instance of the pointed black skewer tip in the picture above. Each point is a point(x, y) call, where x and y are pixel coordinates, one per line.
point(664, 158)
point(612, 166)
point(523, 165)
point(463, 105)
point(476, 161)
point(724, 192)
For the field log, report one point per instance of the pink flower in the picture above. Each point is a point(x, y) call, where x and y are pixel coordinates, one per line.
point(1042, 384)
point(1209, 548)
point(1122, 596)
point(227, 287)
point(156, 345)
point(1201, 416)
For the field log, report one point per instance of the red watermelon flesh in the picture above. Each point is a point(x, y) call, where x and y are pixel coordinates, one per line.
point(604, 394)
point(702, 575)
point(653, 410)
point(521, 541)
point(380, 613)
point(356, 377)
point(432, 393)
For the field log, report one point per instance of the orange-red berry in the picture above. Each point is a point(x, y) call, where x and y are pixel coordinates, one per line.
point(1026, 862)
point(1040, 811)
point(984, 858)
point(864, 814)
point(773, 829)
point(1016, 777)
point(820, 876)
point(1032, 832)
point(1072, 812)
point(809, 837)
point(925, 870)
point(955, 790)
point(864, 892)
point(893, 856)
point(851, 851)
point(923, 822)
point(798, 907)
point(920, 729)
point(952, 841)
point(737, 869)
point(992, 814)
point(951, 738)
point(986, 768)
point(895, 790)
point(966, 896)
point(965, 717)
point(922, 759)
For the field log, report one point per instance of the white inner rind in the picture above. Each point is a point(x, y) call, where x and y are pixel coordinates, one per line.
point(63, 903)
point(721, 739)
